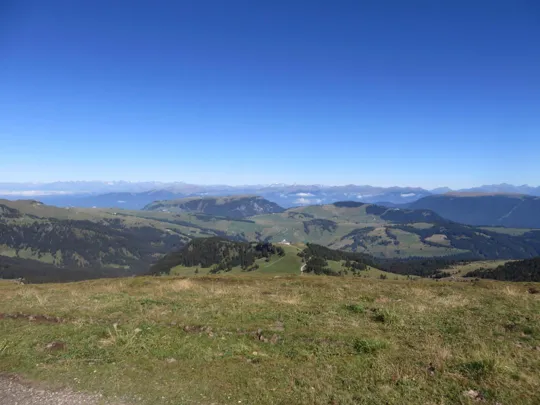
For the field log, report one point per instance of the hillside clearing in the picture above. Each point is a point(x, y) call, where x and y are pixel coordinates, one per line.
point(277, 340)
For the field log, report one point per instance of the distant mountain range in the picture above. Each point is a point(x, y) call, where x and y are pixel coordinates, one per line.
point(136, 195)
point(505, 189)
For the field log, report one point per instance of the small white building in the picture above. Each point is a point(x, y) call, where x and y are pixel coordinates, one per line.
point(284, 242)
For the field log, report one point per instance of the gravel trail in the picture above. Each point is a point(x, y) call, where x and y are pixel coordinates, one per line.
point(14, 392)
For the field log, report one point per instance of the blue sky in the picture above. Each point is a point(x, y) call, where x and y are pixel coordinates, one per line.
point(420, 93)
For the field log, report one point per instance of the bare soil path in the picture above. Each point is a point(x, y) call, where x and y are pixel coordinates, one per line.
point(15, 392)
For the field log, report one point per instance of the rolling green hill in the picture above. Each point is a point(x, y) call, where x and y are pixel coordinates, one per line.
point(123, 241)
point(222, 256)
point(375, 230)
point(230, 207)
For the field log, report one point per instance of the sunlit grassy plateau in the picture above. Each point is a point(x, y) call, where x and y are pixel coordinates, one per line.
point(271, 339)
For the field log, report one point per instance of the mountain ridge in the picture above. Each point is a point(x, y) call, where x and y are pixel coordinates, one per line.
point(240, 206)
point(485, 209)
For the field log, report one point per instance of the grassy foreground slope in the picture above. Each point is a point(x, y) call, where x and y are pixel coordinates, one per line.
point(277, 340)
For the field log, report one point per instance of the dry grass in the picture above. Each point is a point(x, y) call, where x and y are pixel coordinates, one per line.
point(279, 340)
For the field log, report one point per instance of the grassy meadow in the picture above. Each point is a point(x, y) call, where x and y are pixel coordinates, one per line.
point(277, 340)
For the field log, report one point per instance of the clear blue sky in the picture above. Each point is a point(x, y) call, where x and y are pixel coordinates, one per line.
point(424, 93)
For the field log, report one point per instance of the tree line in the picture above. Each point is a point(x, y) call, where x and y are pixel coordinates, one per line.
point(522, 270)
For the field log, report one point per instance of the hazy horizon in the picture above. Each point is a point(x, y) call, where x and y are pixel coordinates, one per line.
point(113, 183)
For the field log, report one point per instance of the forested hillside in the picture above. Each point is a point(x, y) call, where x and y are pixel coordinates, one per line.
point(42, 239)
point(481, 243)
point(522, 270)
point(33, 271)
point(230, 207)
point(217, 253)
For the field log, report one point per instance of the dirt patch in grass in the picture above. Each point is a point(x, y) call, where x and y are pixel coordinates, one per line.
point(15, 390)
point(33, 318)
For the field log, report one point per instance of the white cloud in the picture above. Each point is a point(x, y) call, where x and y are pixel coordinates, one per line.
point(360, 196)
point(30, 193)
point(305, 195)
point(307, 201)
point(408, 195)
point(120, 201)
